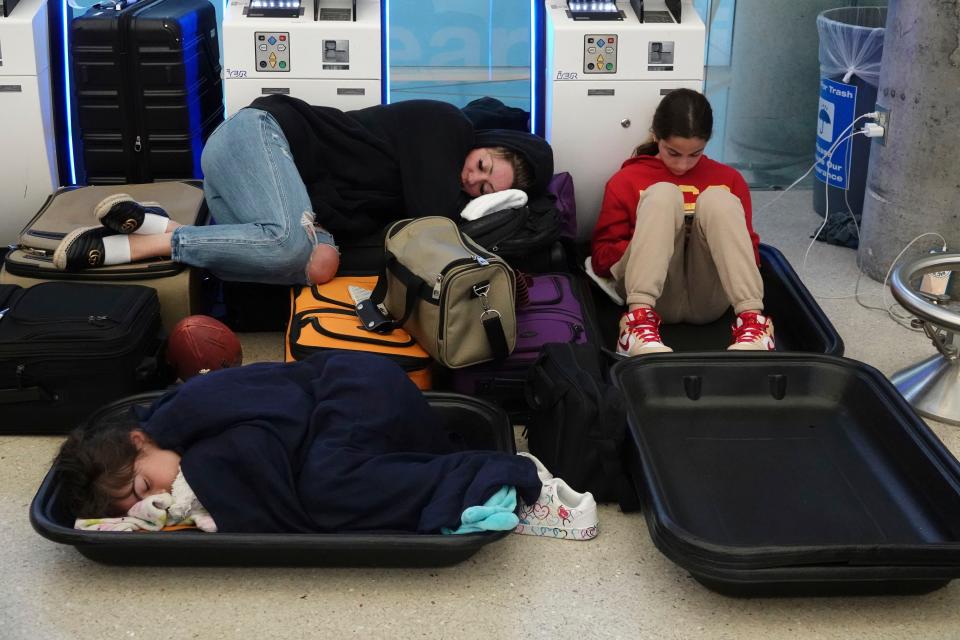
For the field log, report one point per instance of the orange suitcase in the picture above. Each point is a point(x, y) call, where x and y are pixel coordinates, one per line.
point(323, 317)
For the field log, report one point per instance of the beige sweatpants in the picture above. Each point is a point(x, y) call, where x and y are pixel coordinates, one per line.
point(690, 276)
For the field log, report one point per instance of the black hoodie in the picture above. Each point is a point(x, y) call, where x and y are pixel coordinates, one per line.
point(366, 168)
point(533, 149)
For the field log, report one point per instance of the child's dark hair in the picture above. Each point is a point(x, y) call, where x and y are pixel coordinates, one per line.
point(684, 113)
point(95, 467)
point(522, 173)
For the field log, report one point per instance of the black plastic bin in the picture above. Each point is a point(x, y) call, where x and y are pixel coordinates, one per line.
point(478, 424)
point(789, 474)
point(799, 322)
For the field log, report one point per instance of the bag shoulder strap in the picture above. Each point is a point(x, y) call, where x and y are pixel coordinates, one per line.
point(493, 327)
point(370, 314)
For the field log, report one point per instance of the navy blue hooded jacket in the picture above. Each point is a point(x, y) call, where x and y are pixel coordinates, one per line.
point(341, 441)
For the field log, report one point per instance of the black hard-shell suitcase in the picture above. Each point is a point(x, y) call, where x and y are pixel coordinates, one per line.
point(473, 423)
point(67, 348)
point(178, 286)
point(147, 88)
point(789, 474)
point(799, 322)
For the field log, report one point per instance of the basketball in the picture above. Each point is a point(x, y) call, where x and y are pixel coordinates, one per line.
point(200, 344)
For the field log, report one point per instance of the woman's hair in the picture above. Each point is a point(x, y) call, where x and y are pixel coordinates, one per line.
point(682, 112)
point(95, 466)
point(522, 172)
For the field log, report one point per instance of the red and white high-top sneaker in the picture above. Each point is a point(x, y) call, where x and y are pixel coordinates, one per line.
point(640, 333)
point(752, 331)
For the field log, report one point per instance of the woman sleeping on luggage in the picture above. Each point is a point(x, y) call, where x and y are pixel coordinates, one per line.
point(283, 179)
point(341, 441)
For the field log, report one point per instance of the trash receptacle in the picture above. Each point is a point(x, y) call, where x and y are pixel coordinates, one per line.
point(851, 45)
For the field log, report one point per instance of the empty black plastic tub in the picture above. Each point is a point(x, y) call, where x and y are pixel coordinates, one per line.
point(775, 474)
point(478, 424)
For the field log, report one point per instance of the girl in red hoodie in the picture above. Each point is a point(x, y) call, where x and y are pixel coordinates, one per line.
point(675, 233)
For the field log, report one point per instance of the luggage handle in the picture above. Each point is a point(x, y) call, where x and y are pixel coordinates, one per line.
point(500, 385)
point(542, 392)
point(213, 59)
point(25, 394)
point(153, 366)
point(414, 284)
point(314, 322)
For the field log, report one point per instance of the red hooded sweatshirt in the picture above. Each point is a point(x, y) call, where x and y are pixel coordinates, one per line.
point(618, 213)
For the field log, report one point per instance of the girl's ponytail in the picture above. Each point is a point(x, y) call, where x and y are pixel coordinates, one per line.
point(684, 113)
point(648, 148)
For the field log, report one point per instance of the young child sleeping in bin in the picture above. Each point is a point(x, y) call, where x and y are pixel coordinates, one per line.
point(341, 441)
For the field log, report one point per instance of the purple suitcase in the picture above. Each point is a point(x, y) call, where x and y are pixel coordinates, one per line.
point(561, 186)
point(555, 313)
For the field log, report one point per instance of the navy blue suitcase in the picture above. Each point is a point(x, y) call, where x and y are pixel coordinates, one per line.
point(147, 88)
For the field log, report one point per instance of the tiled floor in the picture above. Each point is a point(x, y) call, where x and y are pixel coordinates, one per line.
point(617, 586)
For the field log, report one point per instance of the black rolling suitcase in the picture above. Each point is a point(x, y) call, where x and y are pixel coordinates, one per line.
point(67, 348)
point(147, 88)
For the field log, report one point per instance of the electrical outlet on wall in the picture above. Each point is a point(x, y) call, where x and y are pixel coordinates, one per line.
point(883, 119)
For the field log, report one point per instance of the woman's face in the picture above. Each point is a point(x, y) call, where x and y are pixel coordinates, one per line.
point(680, 154)
point(485, 173)
point(154, 471)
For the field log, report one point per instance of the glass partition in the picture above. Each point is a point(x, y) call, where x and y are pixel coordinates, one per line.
point(459, 50)
point(762, 74)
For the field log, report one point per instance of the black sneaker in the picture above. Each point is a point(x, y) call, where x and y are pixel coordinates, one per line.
point(81, 249)
point(122, 214)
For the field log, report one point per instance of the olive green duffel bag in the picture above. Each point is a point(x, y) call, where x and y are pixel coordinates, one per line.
point(453, 296)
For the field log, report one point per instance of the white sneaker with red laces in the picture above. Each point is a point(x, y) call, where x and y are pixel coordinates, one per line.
point(640, 333)
point(752, 331)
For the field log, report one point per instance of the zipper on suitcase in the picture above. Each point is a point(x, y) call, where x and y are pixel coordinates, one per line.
point(42, 347)
point(131, 84)
point(98, 321)
point(49, 235)
point(23, 370)
point(56, 347)
point(345, 337)
point(314, 289)
point(300, 320)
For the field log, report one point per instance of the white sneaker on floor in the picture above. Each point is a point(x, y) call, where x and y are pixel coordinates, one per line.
point(559, 512)
point(541, 470)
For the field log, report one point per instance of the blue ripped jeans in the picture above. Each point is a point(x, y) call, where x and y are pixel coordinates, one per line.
point(264, 228)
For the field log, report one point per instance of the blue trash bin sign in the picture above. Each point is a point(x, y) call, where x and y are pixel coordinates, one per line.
point(834, 117)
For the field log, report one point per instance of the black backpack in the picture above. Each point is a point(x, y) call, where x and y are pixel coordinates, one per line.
point(579, 422)
point(526, 237)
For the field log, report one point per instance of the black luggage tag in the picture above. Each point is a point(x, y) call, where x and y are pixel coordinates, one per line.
point(374, 318)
